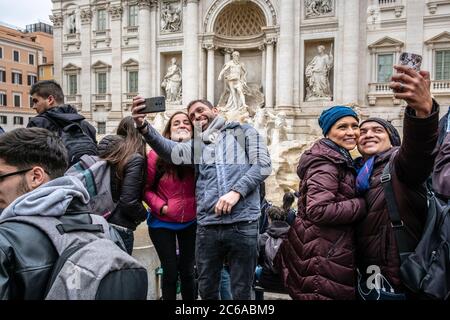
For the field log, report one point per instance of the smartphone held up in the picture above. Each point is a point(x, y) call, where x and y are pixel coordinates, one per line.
point(411, 60)
point(154, 105)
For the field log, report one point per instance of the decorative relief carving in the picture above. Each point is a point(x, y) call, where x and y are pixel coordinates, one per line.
point(171, 13)
point(318, 8)
point(57, 20)
point(116, 12)
point(86, 16)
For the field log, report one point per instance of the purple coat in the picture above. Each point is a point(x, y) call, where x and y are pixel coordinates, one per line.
point(317, 260)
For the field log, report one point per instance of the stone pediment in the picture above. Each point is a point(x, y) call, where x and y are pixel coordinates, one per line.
point(101, 65)
point(386, 42)
point(443, 37)
point(71, 67)
point(130, 63)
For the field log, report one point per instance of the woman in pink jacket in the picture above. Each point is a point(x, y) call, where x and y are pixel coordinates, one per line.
point(170, 194)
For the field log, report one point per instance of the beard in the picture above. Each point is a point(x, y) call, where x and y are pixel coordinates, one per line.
point(23, 187)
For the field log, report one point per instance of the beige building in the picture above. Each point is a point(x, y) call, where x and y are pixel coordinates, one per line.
point(108, 50)
point(299, 57)
point(21, 55)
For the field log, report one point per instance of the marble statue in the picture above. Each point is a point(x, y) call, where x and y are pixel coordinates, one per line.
point(317, 76)
point(316, 8)
point(172, 82)
point(72, 23)
point(170, 18)
point(235, 77)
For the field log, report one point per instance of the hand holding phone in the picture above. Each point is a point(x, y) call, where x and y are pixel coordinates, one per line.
point(154, 105)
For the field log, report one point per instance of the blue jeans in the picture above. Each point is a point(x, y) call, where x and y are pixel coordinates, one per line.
point(238, 242)
point(127, 237)
point(225, 284)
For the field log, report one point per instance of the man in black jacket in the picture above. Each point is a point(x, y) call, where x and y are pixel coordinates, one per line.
point(48, 101)
point(32, 165)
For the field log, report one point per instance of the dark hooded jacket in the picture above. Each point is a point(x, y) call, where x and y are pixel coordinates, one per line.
point(62, 115)
point(317, 259)
point(410, 167)
point(270, 278)
point(128, 193)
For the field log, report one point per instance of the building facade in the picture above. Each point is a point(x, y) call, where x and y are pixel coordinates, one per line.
point(22, 53)
point(108, 51)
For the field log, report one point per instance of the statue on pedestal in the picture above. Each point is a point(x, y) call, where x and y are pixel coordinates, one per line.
point(235, 76)
point(317, 76)
point(172, 83)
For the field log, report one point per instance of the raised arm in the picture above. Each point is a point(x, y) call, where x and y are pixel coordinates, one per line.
point(414, 162)
point(172, 152)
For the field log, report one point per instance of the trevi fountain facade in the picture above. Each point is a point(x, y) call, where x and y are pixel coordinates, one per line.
point(273, 63)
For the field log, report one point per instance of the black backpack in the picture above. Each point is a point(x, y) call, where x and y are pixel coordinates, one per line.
point(425, 268)
point(76, 141)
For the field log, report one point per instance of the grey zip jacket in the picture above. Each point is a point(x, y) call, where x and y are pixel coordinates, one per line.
point(227, 156)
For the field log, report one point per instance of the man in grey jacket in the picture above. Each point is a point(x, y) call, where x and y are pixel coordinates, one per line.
point(231, 161)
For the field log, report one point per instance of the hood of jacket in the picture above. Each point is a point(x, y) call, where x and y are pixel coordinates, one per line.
point(64, 112)
point(278, 229)
point(318, 151)
point(51, 199)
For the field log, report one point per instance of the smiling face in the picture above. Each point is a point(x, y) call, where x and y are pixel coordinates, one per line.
point(201, 114)
point(180, 128)
point(374, 139)
point(345, 133)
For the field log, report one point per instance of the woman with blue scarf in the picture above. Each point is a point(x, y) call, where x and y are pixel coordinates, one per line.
point(317, 260)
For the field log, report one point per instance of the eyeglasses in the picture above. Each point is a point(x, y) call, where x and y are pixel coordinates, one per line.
point(4, 176)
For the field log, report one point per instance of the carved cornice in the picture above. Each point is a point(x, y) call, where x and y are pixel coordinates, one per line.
point(185, 2)
point(86, 16)
point(228, 50)
point(270, 41)
point(57, 19)
point(209, 46)
point(116, 12)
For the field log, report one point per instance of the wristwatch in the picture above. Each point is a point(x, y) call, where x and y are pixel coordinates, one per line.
point(144, 125)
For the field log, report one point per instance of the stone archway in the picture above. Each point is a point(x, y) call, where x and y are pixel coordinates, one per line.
point(240, 19)
point(216, 8)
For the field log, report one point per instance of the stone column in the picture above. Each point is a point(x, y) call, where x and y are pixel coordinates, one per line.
point(190, 51)
point(85, 81)
point(350, 52)
point(116, 49)
point(286, 53)
point(210, 72)
point(414, 26)
point(57, 20)
point(269, 71)
point(154, 85)
point(144, 49)
point(262, 48)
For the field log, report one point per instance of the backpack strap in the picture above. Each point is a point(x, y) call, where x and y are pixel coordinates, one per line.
point(65, 235)
point(402, 236)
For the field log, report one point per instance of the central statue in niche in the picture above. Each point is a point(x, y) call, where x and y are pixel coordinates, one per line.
point(236, 78)
point(239, 96)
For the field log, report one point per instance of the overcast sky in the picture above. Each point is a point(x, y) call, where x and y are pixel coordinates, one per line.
point(19, 13)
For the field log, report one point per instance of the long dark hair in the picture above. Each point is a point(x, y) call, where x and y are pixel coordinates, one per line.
point(288, 200)
point(163, 166)
point(122, 146)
